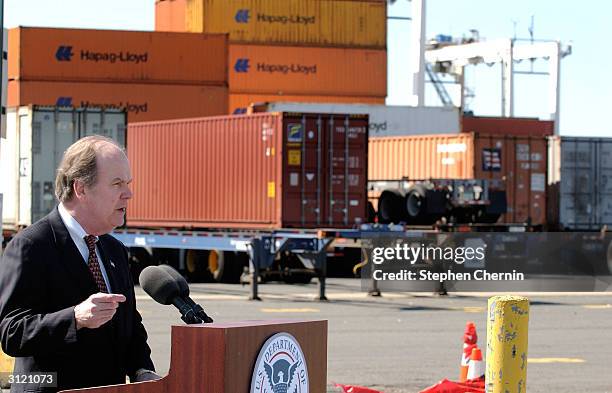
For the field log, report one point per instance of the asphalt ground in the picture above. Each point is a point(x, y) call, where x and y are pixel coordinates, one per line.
point(404, 342)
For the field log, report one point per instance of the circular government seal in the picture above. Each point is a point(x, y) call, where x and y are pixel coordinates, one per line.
point(280, 367)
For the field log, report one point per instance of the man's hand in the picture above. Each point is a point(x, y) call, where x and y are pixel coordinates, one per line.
point(98, 309)
point(143, 375)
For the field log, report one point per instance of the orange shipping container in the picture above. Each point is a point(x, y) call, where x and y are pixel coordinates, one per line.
point(346, 23)
point(111, 55)
point(267, 170)
point(519, 161)
point(170, 15)
point(143, 101)
point(508, 126)
point(239, 103)
point(288, 70)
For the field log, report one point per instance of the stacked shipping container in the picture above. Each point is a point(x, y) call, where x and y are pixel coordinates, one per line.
point(385, 120)
point(239, 103)
point(305, 51)
point(508, 126)
point(35, 143)
point(153, 75)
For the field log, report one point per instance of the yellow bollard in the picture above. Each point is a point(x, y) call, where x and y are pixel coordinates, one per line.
point(6, 367)
point(506, 361)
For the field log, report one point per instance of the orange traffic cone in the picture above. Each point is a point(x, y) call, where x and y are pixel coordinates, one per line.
point(469, 342)
point(470, 336)
point(476, 369)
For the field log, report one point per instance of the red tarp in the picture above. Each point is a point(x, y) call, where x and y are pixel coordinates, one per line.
point(446, 386)
point(356, 389)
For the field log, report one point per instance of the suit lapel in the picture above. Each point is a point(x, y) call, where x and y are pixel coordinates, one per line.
point(69, 255)
point(109, 265)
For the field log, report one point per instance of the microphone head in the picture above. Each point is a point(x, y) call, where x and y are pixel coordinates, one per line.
point(158, 284)
point(178, 278)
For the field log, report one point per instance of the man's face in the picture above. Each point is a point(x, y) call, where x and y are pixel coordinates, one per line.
point(105, 202)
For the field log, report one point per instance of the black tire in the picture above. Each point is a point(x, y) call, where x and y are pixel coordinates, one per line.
point(195, 266)
point(391, 207)
point(416, 203)
point(423, 208)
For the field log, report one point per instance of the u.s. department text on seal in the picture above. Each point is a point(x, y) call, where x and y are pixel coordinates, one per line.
point(280, 367)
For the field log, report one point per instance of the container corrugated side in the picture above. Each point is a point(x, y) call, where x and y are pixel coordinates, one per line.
point(580, 190)
point(208, 172)
point(520, 162)
point(508, 126)
point(170, 15)
point(256, 171)
point(37, 138)
point(317, 23)
point(259, 69)
point(53, 54)
point(239, 103)
point(144, 102)
point(385, 120)
point(421, 157)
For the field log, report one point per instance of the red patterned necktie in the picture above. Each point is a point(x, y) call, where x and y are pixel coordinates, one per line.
point(94, 265)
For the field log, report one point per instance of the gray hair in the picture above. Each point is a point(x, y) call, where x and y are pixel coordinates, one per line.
point(79, 163)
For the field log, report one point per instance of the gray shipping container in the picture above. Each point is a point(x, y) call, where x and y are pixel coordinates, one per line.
point(580, 183)
point(35, 142)
point(385, 120)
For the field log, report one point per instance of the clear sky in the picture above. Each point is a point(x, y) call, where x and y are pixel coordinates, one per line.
point(586, 87)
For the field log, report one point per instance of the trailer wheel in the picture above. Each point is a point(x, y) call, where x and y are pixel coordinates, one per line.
point(415, 202)
point(390, 209)
point(227, 266)
point(424, 207)
point(416, 207)
point(216, 264)
point(195, 269)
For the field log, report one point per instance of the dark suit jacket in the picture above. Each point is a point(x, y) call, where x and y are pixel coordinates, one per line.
point(42, 277)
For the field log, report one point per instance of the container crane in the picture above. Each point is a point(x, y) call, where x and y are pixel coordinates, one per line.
point(445, 55)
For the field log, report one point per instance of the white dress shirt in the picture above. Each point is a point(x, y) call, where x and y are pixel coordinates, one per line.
point(77, 233)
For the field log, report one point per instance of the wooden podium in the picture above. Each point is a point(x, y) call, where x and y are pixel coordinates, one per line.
point(220, 357)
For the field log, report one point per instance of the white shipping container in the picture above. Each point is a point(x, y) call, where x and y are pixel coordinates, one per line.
point(4, 83)
point(385, 120)
point(35, 143)
point(580, 182)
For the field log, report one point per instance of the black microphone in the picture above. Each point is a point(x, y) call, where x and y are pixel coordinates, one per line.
point(184, 293)
point(162, 287)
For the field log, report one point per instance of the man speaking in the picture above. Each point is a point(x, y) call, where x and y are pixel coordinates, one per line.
point(67, 303)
